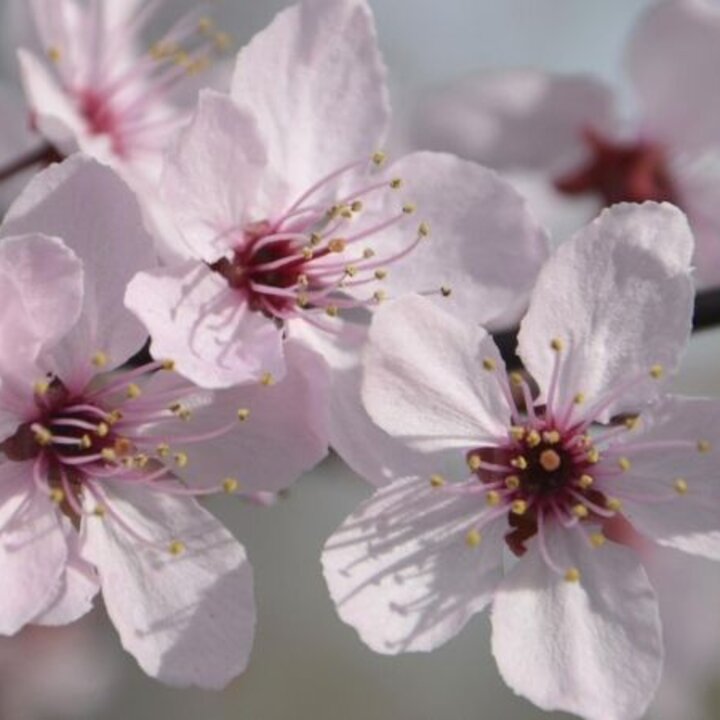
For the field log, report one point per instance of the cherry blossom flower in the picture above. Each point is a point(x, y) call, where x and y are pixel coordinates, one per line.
point(535, 528)
point(93, 88)
point(292, 225)
point(563, 139)
point(102, 462)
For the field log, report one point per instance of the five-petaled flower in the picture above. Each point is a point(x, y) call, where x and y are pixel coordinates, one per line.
point(97, 91)
point(563, 140)
point(556, 482)
point(102, 461)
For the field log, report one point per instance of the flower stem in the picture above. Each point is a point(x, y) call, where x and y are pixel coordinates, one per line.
point(44, 154)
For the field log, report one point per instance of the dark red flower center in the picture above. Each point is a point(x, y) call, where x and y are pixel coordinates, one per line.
point(621, 172)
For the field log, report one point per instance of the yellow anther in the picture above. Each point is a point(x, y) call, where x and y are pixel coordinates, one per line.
point(307, 253)
point(586, 481)
point(346, 212)
point(396, 183)
point(519, 462)
point(141, 460)
point(114, 417)
point(230, 485)
point(516, 379)
point(108, 454)
point(632, 422)
point(409, 209)
point(512, 482)
point(613, 504)
point(656, 372)
point(102, 430)
point(303, 300)
point(176, 547)
point(168, 365)
point(163, 450)
point(351, 270)
point(198, 66)
point(556, 344)
point(474, 462)
point(580, 511)
point(593, 456)
point(489, 364)
point(572, 575)
point(206, 25)
point(368, 253)
point(379, 296)
point(100, 511)
point(54, 54)
point(424, 229)
point(597, 539)
point(517, 432)
point(223, 41)
point(180, 410)
point(680, 485)
point(357, 206)
point(519, 507)
point(552, 437)
point(473, 538)
point(42, 436)
point(133, 391)
point(100, 359)
point(703, 446)
point(437, 481)
point(243, 414)
point(379, 158)
point(446, 291)
point(533, 438)
point(337, 245)
point(267, 379)
point(122, 446)
point(85, 442)
point(41, 387)
point(57, 496)
point(493, 498)
point(380, 274)
point(624, 464)
point(331, 311)
point(579, 398)
point(550, 461)
point(315, 240)
point(181, 459)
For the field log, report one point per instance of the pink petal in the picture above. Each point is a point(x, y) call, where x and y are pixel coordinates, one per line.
point(195, 319)
point(187, 619)
point(41, 296)
point(400, 571)
point(591, 647)
point(619, 296)
point(689, 521)
point(54, 112)
point(97, 217)
point(79, 587)
point(315, 82)
point(424, 379)
point(284, 436)
point(213, 177)
point(672, 61)
point(367, 449)
point(484, 245)
point(33, 549)
point(515, 118)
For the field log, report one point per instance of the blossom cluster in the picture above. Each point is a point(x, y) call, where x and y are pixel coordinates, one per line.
point(217, 273)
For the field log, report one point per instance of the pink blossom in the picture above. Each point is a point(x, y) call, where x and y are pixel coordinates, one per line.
point(93, 87)
point(563, 137)
point(552, 478)
point(103, 462)
point(291, 224)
